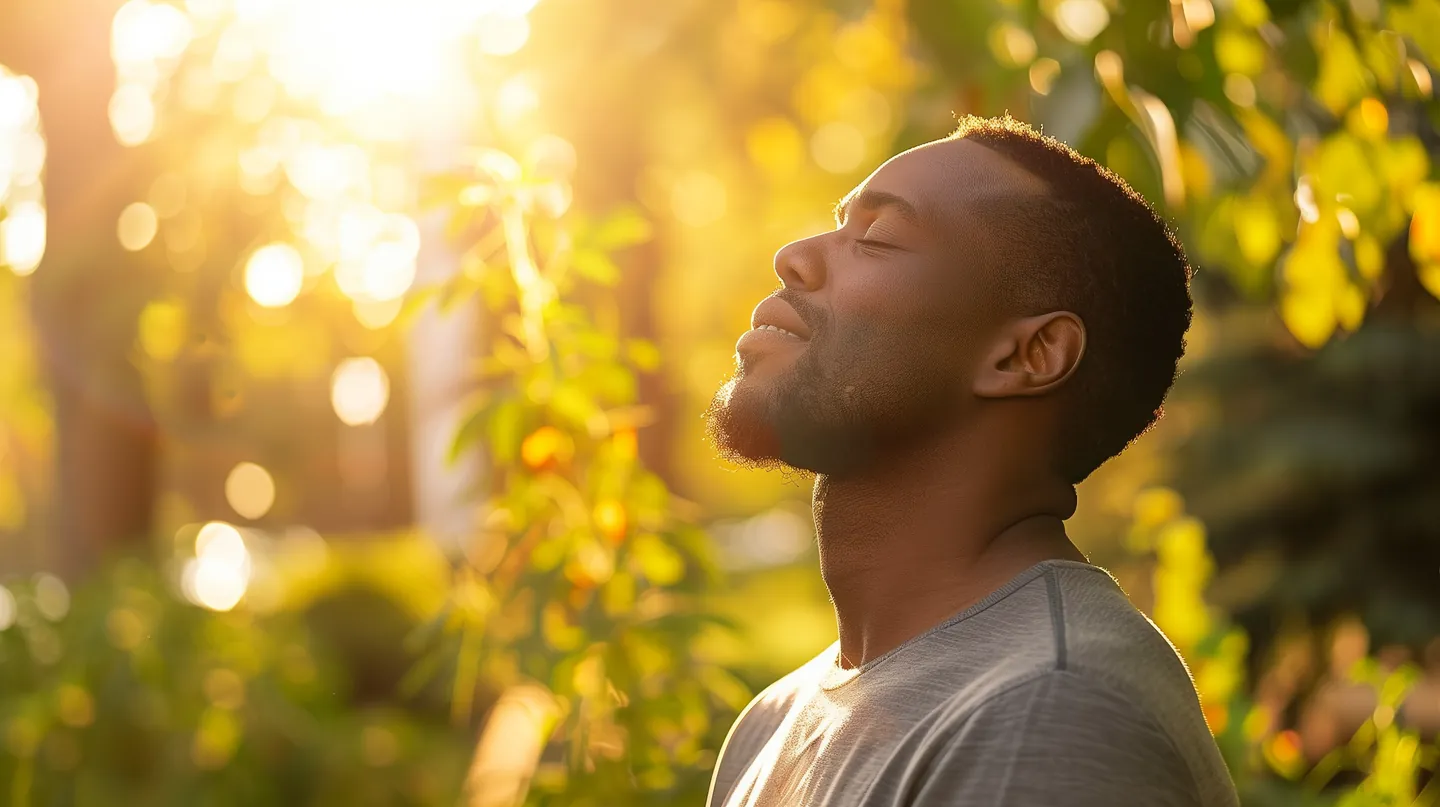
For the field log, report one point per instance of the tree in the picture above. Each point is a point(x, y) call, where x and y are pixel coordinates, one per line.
point(89, 290)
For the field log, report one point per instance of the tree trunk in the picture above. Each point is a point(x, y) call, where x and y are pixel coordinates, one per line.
point(87, 292)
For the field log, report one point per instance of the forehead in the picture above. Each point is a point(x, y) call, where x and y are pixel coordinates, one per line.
point(945, 179)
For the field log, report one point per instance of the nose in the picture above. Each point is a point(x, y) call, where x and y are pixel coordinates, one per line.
point(801, 264)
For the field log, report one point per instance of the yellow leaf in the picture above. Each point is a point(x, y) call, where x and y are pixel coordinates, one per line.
point(610, 519)
point(1257, 230)
point(1309, 315)
point(1343, 78)
point(1425, 225)
point(1272, 142)
point(1405, 164)
point(544, 444)
point(1430, 278)
point(1199, 180)
point(1350, 306)
point(1155, 506)
point(162, 329)
point(1240, 51)
point(1370, 119)
point(1181, 546)
point(1253, 13)
point(657, 560)
point(1342, 166)
point(1369, 257)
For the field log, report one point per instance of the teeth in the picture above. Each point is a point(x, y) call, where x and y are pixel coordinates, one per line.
point(776, 328)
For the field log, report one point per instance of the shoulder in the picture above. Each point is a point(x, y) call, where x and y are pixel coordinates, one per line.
point(1102, 634)
point(758, 721)
point(1056, 735)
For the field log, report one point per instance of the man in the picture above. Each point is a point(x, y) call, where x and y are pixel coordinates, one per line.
point(993, 318)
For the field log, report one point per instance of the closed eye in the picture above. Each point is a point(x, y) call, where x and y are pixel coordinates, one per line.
point(873, 245)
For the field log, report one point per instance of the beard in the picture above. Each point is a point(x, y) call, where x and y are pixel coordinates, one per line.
point(812, 415)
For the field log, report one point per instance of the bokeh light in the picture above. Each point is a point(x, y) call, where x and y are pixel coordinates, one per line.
point(132, 114)
point(7, 608)
point(359, 391)
point(216, 578)
point(698, 198)
point(22, 159)
point(376, 314)
point(250, 490)
point(377, 256)
point(503, 35)
point(22, 237)
point(1081, 20)
point(274, 275)
point(52, 598)
point(838, 147)
point(144, 32)
point(137, 226)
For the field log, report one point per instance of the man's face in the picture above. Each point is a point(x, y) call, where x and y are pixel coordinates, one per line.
point(892, 309)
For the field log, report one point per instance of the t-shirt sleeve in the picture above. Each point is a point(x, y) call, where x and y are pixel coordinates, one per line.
point(1059, 739)
point(751, 730)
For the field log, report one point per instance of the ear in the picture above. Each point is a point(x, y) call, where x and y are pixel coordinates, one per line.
point(1032, 356)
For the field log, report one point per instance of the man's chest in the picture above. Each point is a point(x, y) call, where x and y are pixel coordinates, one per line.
point(827, 757)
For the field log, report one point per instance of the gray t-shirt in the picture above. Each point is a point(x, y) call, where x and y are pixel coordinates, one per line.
point(1053, 690)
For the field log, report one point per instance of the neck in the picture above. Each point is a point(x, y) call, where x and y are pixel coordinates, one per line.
point(923, 533)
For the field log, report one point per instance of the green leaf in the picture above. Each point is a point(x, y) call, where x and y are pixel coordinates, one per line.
point(623, 229)
point(506, 428)
point(416, 300)
point(471, 429)
point(595, 266)
point(573, 404)
point(658, 561)
point(644, 354)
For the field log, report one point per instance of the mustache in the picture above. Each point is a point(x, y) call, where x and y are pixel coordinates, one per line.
point(810, 313)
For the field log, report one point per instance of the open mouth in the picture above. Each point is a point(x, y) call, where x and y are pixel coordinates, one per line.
point(779, 330)
point(775, 315)
point(768, 338)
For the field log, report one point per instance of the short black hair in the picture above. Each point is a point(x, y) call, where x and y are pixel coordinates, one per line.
point(1094, 247)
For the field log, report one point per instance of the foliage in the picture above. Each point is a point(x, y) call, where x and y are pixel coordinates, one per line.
point(129, 690)
point(1385, 762)
point(1292, 141)
point(585, 578)
point(1315, 476)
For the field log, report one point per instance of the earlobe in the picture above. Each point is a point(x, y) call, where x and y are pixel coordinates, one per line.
point(1032, 356)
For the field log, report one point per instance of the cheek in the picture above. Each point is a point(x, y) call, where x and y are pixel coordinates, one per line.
point(885, 310)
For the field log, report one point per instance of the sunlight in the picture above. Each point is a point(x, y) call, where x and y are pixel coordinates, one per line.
point(216, 578)
point(377, 254)
point(1081, 20)
point(274, 275)
point(250, 490)
point(22, 238)
point(7, 608)
point(17, 102)
point(22, 158)
point(132, 114)
point(143, 33)
point(359, 391)
point(137, 226)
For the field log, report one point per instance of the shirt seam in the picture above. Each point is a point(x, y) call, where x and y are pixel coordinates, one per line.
point(1102, 685)
point(1057, 616)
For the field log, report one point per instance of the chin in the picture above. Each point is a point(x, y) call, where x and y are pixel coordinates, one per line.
point(739, 425)
point(765, 425)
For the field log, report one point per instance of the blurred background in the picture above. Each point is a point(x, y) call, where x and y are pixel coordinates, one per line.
point(352, 354)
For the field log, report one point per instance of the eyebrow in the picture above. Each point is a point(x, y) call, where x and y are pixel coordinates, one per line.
point(876, 200)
